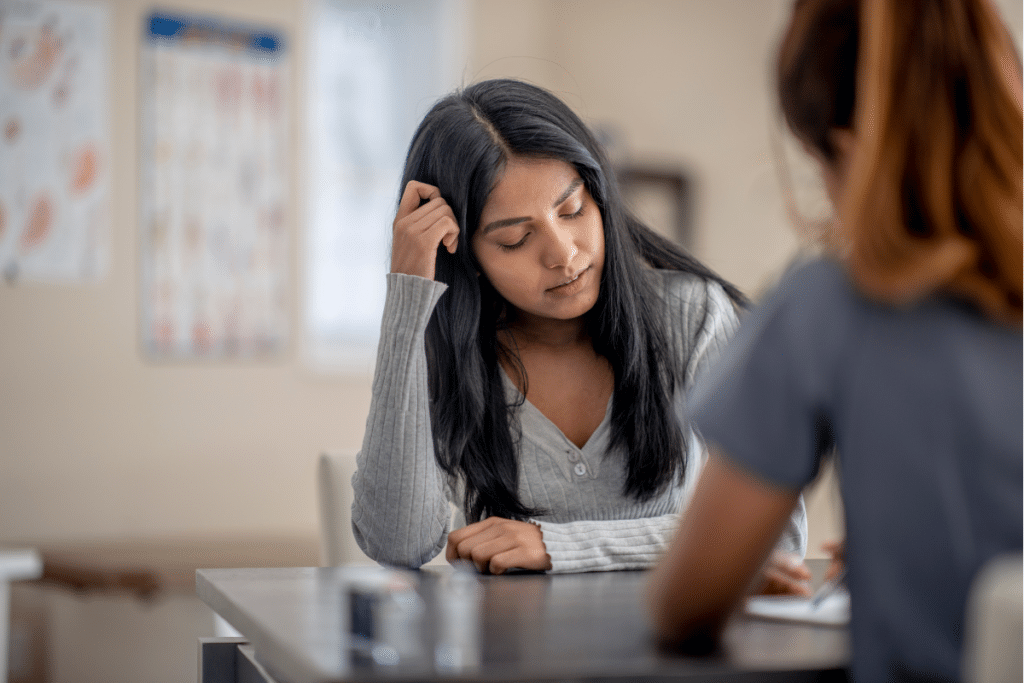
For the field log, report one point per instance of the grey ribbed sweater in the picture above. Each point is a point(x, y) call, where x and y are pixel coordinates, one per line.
point(401, 513)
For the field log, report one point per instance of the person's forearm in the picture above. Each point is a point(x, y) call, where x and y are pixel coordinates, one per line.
point(400, 513)
point(724, 538)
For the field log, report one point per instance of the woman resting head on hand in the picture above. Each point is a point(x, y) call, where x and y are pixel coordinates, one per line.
point(901, 349)
point(537, 345)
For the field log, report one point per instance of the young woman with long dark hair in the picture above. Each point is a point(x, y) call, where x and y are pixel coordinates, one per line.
point(902, 348)
point(536, 348)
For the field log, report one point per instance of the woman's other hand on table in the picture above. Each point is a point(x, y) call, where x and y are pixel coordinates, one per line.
point(496, 545)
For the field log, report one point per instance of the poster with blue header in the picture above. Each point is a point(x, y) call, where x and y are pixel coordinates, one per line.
point(215, 250)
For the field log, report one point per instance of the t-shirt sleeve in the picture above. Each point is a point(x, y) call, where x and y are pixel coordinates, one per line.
point(764, 405)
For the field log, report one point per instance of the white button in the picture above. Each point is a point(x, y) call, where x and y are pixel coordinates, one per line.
point(573, 456)
point(580, 469)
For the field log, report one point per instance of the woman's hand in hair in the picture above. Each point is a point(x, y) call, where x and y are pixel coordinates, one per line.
point(423, 223)
point(496, 545)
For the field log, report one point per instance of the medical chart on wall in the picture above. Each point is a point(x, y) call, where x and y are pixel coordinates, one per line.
point(54, 141)
point(215, 249)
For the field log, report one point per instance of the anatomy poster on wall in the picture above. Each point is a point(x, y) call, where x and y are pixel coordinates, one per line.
point(54, 141)
point(215, 249)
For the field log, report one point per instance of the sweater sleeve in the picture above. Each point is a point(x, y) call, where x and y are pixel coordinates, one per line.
point(400, 510)
point(607, 545)
point(591, 546)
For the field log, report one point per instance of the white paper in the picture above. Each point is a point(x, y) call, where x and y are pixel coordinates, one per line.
point(834, 610)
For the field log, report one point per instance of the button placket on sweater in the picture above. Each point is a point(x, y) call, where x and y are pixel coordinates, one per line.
point(580, 468)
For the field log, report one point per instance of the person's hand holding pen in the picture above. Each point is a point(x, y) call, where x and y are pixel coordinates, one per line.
point(837, 551)
point(785, 574)
point(835, 573)
point(828, 588)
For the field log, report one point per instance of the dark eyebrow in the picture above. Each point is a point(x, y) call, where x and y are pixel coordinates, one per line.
point(505, 222)
point(573, 186)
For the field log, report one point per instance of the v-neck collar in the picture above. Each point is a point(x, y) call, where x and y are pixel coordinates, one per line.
point(533, 421)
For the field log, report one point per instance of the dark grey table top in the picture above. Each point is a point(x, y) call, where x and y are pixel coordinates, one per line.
point(529, 627)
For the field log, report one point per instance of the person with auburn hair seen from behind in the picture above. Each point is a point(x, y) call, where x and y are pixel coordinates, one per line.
point(901, 348)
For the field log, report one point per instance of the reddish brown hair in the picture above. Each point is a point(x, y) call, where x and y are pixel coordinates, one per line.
point(932, 195)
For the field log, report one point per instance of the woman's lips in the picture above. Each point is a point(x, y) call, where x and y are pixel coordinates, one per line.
point(571, 285)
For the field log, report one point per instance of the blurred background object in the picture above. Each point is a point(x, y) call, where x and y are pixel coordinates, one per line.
point(102, 444)
point(993, 633)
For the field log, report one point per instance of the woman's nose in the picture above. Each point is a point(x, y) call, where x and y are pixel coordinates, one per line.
point(561, 249)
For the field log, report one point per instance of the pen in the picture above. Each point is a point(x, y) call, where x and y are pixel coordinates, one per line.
point(828, 588)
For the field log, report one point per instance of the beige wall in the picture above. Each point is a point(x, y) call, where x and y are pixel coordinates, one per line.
point(680, 83)
point(95, 441)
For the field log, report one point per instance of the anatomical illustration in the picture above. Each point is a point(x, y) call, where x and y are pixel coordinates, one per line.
point(54, 141)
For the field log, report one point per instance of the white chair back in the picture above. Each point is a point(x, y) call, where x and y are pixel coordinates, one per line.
point(334, 492)
point(994, 637)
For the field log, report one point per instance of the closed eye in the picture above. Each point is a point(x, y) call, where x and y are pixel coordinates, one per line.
point(577, 214)
point(512, 247)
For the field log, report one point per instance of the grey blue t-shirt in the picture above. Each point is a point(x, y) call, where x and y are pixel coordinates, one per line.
point(924, 406)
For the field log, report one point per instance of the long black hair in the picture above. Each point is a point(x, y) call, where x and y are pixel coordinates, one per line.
point(461, 147)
